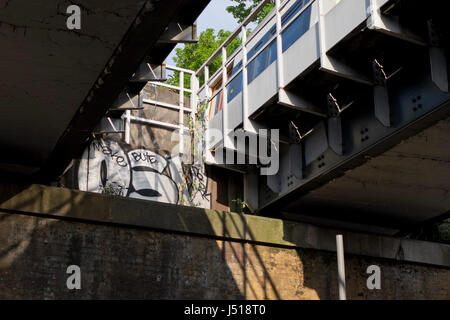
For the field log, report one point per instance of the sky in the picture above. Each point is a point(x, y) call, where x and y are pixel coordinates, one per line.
point(214, 16)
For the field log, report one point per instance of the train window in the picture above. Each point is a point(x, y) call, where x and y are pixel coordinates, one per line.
point(252, 52)
point(272, 31)
point(259, 64)
point(249, 72)
point(235, 87)
point(292, 11)
point(216, 103)
point(219, 103)
point(272, 52)
point(236, 68)
point(269, 55)
point(297, 29)
point(269, 34)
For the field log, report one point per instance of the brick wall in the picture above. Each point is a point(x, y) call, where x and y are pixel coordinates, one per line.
point(129, 263)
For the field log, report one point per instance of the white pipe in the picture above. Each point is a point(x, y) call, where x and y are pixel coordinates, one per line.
point(158, 123)
point(127, 126)
point(341, 267)
point(161, 84)
point(173, 68)
point(227, 140)
point(280, 64)
point(245, 112)
point(194, 97)
point(165, 105)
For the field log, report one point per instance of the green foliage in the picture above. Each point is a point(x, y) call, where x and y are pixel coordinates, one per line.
point(197, 130)
point(243, 8)
point(193, 56)
point(444, 231)
point(438, 231)
point(242, 206)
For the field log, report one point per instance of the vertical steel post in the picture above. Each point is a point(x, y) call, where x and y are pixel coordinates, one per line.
point(209, 157)
point(206, 75)
point(194, 97)
point(322, 43)
point(127, 126)
point(194, 107)
point(280, 64)
point(245, 113)
point(181, 114)
point(226, 138)
point(341, 267)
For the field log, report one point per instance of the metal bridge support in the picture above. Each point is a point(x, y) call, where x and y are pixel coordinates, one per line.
point(335, 138)
point(380, 95)
point(295, 152)
point(438, 60)
point(390, 25)
point(354, 50)
point(179, 33)
point(295, 101)
point(150, 72)
point(328, 63)
point(251, 189)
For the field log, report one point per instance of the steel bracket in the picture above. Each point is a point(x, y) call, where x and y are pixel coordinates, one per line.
point(179, 33)
point(380, 94)
point(438, 60)
point(150, 72)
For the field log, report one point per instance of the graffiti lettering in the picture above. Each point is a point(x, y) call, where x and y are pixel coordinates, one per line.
point(107, 151)
point(202, 182)
point(140, 174)
point(146, 157)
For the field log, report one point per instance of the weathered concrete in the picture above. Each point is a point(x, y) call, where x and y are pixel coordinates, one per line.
point(56, 84)
point(47, 70)
point(146, 250)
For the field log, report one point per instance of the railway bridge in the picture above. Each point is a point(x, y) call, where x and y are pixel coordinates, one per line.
point(359, 93)
point(357, 89)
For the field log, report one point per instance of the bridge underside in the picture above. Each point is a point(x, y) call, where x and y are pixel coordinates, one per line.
point(402, 187)
point(56, 84)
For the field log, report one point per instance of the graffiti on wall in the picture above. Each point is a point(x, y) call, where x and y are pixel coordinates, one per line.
point(141, 174)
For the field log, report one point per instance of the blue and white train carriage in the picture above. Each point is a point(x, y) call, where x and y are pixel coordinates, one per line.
point(308, 30)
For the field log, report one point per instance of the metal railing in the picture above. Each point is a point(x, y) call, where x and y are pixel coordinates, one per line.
point(204, 69)
point(281, 8)
point(181, 126)
point(242, 31)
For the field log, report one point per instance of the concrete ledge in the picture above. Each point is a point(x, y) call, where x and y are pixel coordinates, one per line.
point(64, 203)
